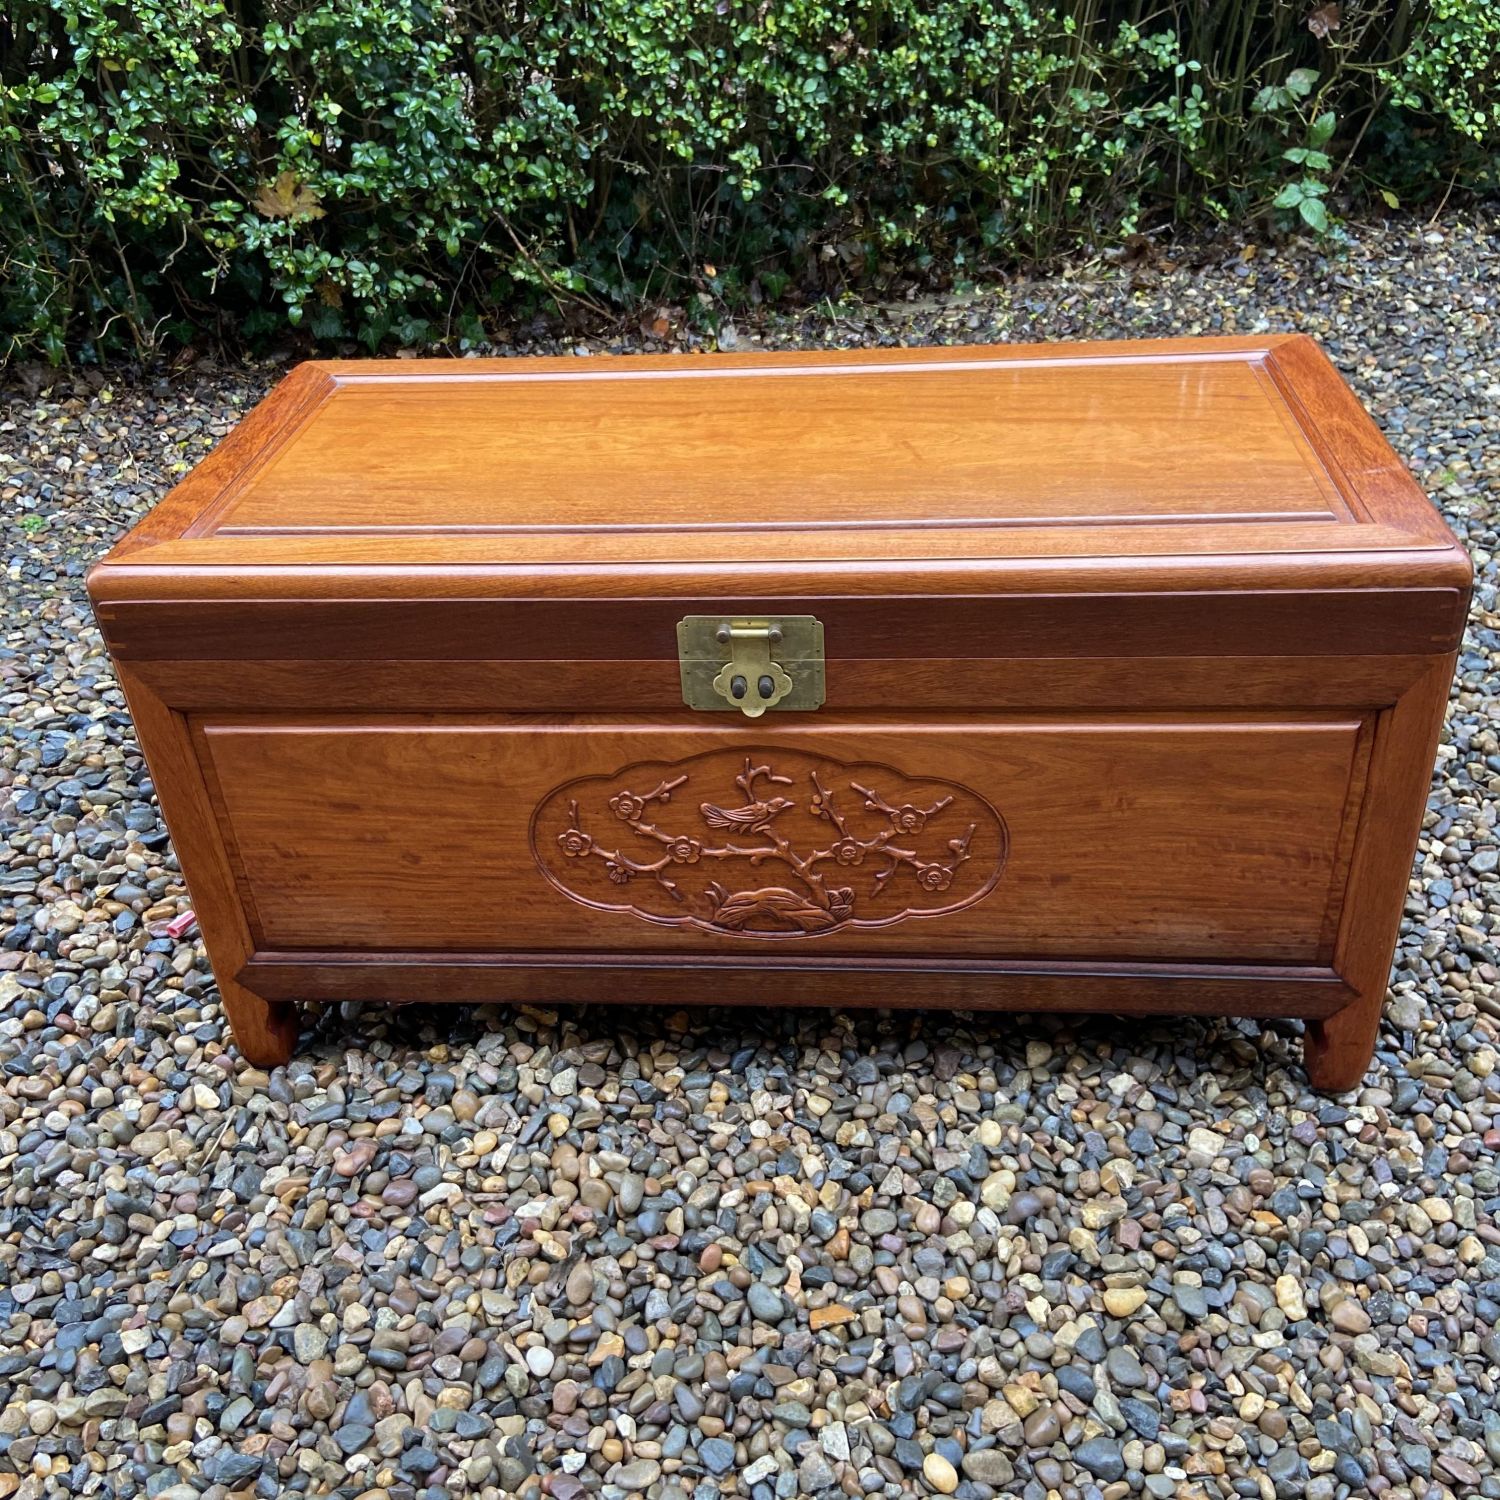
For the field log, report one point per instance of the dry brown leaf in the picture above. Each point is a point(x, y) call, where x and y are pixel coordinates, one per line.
point(1325, 19)
point(288, 198)
point(657, 324)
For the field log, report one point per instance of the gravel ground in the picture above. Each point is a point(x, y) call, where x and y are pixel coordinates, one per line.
point(531, 1252)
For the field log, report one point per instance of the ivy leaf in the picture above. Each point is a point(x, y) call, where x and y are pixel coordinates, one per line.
point(325, 323)
point(1314, 213)
point(288, 198)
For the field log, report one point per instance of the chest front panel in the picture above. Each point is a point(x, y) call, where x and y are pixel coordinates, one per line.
point(1184, 836)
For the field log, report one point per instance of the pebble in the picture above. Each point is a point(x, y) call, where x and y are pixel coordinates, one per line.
point(1191, 1300)
point(580, 1284)
point(1101, 1458)
point(765, 1302)
point(309, 1342)
point(717, 1454)
point(939, 1473)
point(544, 1251)
point(637, 1475)
point(989, 1466)
point(1122, 1302)
point(1349, 1317)
point(1124, 1368)
point(1289, 1297)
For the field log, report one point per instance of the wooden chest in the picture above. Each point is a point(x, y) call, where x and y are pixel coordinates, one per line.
point(1095, 677)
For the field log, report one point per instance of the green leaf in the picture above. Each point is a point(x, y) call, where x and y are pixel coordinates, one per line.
point(1289, 197)
point(1314, 213)
point(1300, 81)
point(1320, 132)
point(1391, 200)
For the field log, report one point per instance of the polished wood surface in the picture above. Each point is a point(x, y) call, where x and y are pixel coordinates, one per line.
point(1156, 839)
point(1069, 468)
point(1137, 655)
point(943, 685)
point(1282, 622)
point(398, 978)
point(1406, 738)
point(631, 448)
point(265, 1031)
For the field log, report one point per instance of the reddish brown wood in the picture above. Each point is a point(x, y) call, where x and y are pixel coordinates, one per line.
point(1406, 735)
point(231, 464)
point(1136, 659)
point(1284, 622)
point(264, 1030)
point(1149, 989)
point(937, 685)
point(1158, 838)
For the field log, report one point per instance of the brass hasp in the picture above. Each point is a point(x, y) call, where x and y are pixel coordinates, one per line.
point(751, 664)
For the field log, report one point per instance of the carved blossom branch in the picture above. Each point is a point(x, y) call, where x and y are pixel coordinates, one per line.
point(904, 819)
point(747, 778)
point(849, 850)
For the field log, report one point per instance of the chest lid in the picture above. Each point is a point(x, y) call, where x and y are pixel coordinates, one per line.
point(1206, 465)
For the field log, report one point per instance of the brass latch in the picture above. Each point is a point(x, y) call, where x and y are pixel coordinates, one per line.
point(751, 665)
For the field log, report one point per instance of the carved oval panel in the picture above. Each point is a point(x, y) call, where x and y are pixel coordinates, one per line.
point(769, 843)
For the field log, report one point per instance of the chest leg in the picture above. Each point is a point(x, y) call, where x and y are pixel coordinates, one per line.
point(1338, 1049)
point(265, 1031)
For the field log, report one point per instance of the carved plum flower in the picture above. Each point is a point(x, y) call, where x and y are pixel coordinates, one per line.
point(627, 806)
point(648, 851)
point(848, 852)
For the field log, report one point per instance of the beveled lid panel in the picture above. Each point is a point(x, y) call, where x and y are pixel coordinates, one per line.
point(624, 445)
point(1194, 465)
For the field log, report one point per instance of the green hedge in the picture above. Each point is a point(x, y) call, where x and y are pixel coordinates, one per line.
point(392, 170)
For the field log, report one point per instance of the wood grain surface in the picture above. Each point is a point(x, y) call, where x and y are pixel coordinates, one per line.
point(1158, 839)
point(1137, 657)
point(606, 446)
point(1085, 467)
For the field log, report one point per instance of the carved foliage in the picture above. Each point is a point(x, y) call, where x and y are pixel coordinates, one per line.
point(774, 844)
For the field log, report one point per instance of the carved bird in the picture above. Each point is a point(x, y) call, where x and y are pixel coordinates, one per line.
point(754, 817)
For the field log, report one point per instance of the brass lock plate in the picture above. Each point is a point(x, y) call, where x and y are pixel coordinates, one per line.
point(730, 662)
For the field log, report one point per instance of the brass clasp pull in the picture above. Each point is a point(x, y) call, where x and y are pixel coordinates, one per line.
point(750, 680)
point(751, 665)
